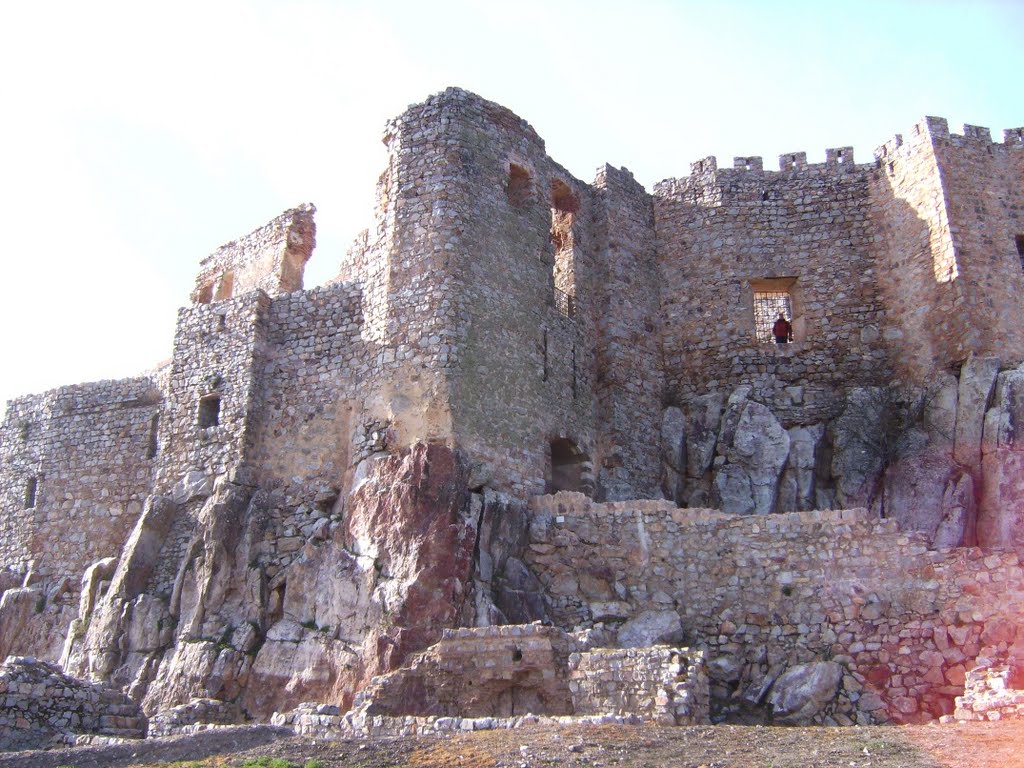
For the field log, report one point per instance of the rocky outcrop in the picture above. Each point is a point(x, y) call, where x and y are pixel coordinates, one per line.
point(942, 460)
point(359, 596)
point(1001, 512)
point(747, 482)
point(43, 707)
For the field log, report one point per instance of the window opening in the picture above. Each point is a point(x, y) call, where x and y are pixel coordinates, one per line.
point(30, 492)
point(205, 294)
point(768, 305)
point(26, 429)
point(564, 207)
point(209, 411)
point(519, 186)
point(154, 426)
point(226, 286)
point(1019, 241)
point(571, 469)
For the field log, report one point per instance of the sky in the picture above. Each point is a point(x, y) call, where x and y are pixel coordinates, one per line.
point(138, 136)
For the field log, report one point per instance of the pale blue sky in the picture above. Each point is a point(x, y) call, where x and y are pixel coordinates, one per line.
point(137, 137)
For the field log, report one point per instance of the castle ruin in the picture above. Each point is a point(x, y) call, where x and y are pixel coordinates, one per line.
point(323, 483)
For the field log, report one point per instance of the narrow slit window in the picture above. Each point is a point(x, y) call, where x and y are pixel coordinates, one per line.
point(154, 427)
point(31, 487)
point(519, 186)
point(1019, 241)
point(209, 411)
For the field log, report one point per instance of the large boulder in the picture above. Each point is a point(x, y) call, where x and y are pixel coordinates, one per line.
point(860, 446)
point(797, 486)
point(756, 454)
point(651, 628)
point(977, 380)
point(1001, 512)
point(803, 691)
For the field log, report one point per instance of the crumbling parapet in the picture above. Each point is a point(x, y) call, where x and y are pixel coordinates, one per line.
point(271, 258)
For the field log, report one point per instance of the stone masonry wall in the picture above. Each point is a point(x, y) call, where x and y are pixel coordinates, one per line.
point(313, 367)
point(45, 708)
point(271, 259)
point(761, 594)
point(86, 455)
point(984, 193)
point(212, 387)
point(807, 227)
point(629, 380)
point(522, 355)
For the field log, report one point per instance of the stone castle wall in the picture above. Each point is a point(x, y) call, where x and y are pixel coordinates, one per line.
point(764, 593)
point(724, 234)
point(77, 464)
point(271, 259)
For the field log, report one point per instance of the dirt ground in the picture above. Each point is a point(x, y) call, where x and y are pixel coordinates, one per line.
point(972, 745)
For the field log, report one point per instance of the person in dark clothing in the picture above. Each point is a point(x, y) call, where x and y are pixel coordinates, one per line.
point(782, 330)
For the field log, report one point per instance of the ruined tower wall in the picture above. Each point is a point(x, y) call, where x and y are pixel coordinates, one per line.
point(520, 353)
point(88, 452)
point(984, 188)
point(313, 368)
point(211, 391)
point(629, 381)
point(271, 259)
point(805, 230)
point(947, 211)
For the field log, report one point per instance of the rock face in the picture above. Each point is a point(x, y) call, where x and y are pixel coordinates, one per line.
point(43, 708)
point(801, 692)
point(1001, 513)
point(748, 483)
point(361, 595)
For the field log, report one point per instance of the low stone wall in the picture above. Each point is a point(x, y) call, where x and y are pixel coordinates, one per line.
point(42, 707)
point(667, 685)
point(765, 593)
point(993, 691)
point(507, 676)
point(198, 714)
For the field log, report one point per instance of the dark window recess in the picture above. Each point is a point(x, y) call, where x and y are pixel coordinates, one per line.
point(1019, 240)
point(154, 428)
point(768, 305)
point(30, 492)
point(519, 186)
point(570, 468)
point(26, 429)
point(209, 411)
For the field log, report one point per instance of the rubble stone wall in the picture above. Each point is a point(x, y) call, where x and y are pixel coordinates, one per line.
point(763, 593)
point(86, 455)
point(45, 708)
point(271, 259)
point(312, 368)
point(212, 387)
point(984, 200)
point(629, 381)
